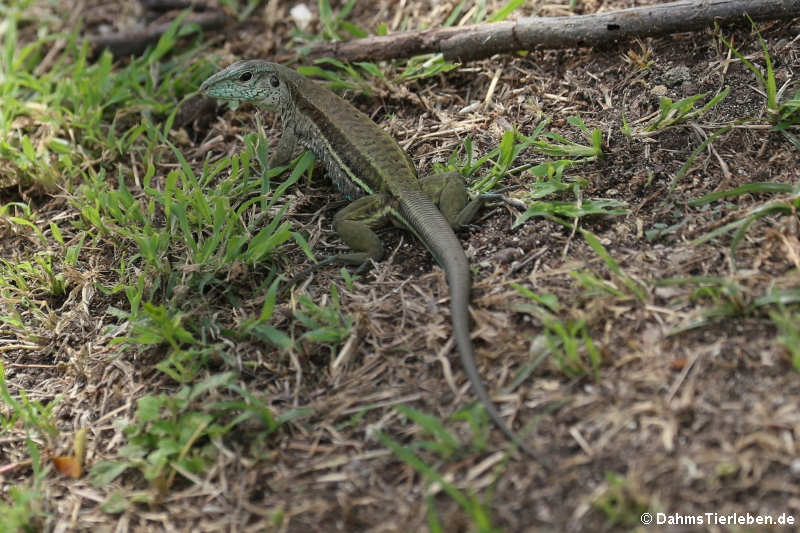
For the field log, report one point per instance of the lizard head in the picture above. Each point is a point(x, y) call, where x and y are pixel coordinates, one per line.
point(249, 81)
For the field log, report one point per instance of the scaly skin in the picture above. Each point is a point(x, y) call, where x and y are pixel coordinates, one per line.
point(369, 167)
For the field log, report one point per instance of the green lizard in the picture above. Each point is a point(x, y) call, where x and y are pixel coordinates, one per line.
point(372, 171)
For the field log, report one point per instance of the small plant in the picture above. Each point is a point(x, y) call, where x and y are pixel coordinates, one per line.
point(444, 443)
point(333, 24)
point(550, 174)
point(478, 512)
point(634, 287)
point(562, 211)
point(782, 114)
point(235, 6)
point(788, 116)
point(171, 434)
point(32, 279)
point(788, 323)
point(641, 59)
point(425, 66)
point(37, 417)
point(571, 348)
point(343, 76)
point(166, 437)
point(787, 206)
point(621, 504)
point(573, 351)
point(501, 159)
point(683, 110)
point(559, 146)
point(767, 81)
point(22, 508)
point(19, 215)
point(324, 324)
point(504, 12)
point(726, 299)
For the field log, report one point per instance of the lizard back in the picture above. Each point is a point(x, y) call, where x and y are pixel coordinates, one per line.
point(355, 151)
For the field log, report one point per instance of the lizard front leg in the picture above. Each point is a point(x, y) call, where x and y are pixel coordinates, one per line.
point(355, 224)
point(285, 150)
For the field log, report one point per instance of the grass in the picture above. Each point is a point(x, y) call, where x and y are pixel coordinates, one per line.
point(23, 509)
point(172, 434)
point(719, 299)
point(478, 512)
point(786, 206)
point(684, 110)
point(174, 237)
point(782, 113)
point(620, 502)
point(568, 340)
point(334, 26)
point(788, 335)
point(36, 417)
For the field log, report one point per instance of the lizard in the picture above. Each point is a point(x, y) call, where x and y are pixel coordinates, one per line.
point(377, 176)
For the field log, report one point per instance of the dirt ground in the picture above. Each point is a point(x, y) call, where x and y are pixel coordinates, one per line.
point(677, 420)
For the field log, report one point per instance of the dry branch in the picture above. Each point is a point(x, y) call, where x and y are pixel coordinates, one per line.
point(135, 42)
point(483, 40)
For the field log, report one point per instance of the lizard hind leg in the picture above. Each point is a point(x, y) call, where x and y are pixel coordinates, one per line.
point(449, 192)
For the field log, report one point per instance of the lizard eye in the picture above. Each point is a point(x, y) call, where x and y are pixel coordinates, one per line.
point(274, 81)
point(246, 76)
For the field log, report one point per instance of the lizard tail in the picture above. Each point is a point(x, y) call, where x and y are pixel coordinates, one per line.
point(435, 232)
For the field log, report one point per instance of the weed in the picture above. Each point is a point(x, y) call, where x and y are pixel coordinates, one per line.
point(170, 434)
point(244, 11)
point(22, 508)
point(24, 511)
point(552, 181)
point(477, 511)
point(788, 333)
point(641, 60)
point(324, 323)
point(333, 24)
point(783, 114)
point(621, 504)
point(334, 27)
point(633, 286)
point(36, 417)
point(684, 110)
point(558, 146)
point(718, 299)
point(513, 144)
point(568, 342)
point(787, 206)
point(505, 11)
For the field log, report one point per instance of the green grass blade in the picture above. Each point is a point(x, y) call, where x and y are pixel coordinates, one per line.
point(749, 188)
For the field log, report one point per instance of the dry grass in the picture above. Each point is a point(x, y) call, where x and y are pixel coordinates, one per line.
point(693, 409)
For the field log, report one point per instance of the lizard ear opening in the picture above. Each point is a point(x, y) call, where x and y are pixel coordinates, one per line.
point(274, 81)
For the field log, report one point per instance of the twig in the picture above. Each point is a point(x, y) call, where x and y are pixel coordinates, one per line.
point(483, 40)
point(135, 42)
